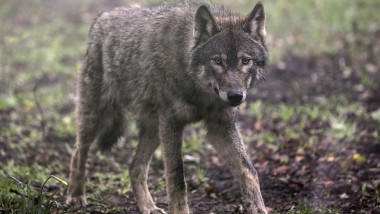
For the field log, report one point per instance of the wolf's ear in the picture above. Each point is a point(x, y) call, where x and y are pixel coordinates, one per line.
point(204, 25)
point(254, 22)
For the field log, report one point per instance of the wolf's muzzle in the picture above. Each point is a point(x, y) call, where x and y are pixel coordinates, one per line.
point(235, 98)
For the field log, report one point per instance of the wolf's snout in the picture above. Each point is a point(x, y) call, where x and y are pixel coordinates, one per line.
point(235, 97)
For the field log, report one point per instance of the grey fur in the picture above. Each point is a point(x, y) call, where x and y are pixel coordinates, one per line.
point(170, 66)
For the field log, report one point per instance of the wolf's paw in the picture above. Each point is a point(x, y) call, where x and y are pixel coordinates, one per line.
point(78, 201)
point(256, 209)
point(154, 210)
point(261, 211)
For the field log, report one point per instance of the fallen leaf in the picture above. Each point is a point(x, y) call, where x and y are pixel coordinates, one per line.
point(269, 209)
point(261, 158)
point(258, 125)
point(327, 182)
point(344, 196)
point(283, 179)
point(281, 170)
point(330, 159)
point(371, 68)
point(299, 159)
point(357, 158)
point(261, 165)
point(366, 95)
point(259, 144)
point(296, 183)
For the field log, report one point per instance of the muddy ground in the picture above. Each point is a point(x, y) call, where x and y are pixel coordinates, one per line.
point(308, 177)
point(334, 174)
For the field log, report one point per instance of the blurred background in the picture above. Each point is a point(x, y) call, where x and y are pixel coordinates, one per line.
point(311, 128)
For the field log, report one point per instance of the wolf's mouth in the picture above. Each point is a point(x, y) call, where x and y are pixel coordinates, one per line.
point(234, 104)
point(216, 90)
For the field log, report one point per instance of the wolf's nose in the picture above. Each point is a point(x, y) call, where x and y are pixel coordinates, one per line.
point(235, 97)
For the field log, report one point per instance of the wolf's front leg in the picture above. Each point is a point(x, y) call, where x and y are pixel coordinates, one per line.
point(224, 135)
point(139, 168)
point(170, 132)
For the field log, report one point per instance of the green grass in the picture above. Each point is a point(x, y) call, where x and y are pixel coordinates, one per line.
point(314, 26)
point(337, 118)
point(21, 197)
point(45, 45)
point(304, 208)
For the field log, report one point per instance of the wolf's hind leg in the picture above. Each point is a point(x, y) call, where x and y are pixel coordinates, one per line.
point(87, 128)
point(139, 168)
point(76, 191)
point(86, 134)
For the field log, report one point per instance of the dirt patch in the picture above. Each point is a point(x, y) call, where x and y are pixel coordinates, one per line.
point(311, 176)
point(309, 167)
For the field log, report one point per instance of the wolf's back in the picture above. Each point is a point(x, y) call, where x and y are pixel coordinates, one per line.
point(129, 53)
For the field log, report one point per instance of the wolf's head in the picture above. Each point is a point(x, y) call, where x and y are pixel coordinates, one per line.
point(229, 53)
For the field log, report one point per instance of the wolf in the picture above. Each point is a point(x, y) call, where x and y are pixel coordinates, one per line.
point(169, 66)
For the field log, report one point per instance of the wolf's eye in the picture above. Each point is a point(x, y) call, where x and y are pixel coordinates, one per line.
point(245, 61)
point(218, 61)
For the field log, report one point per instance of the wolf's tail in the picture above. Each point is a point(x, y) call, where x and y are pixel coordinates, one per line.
point(112, 127)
